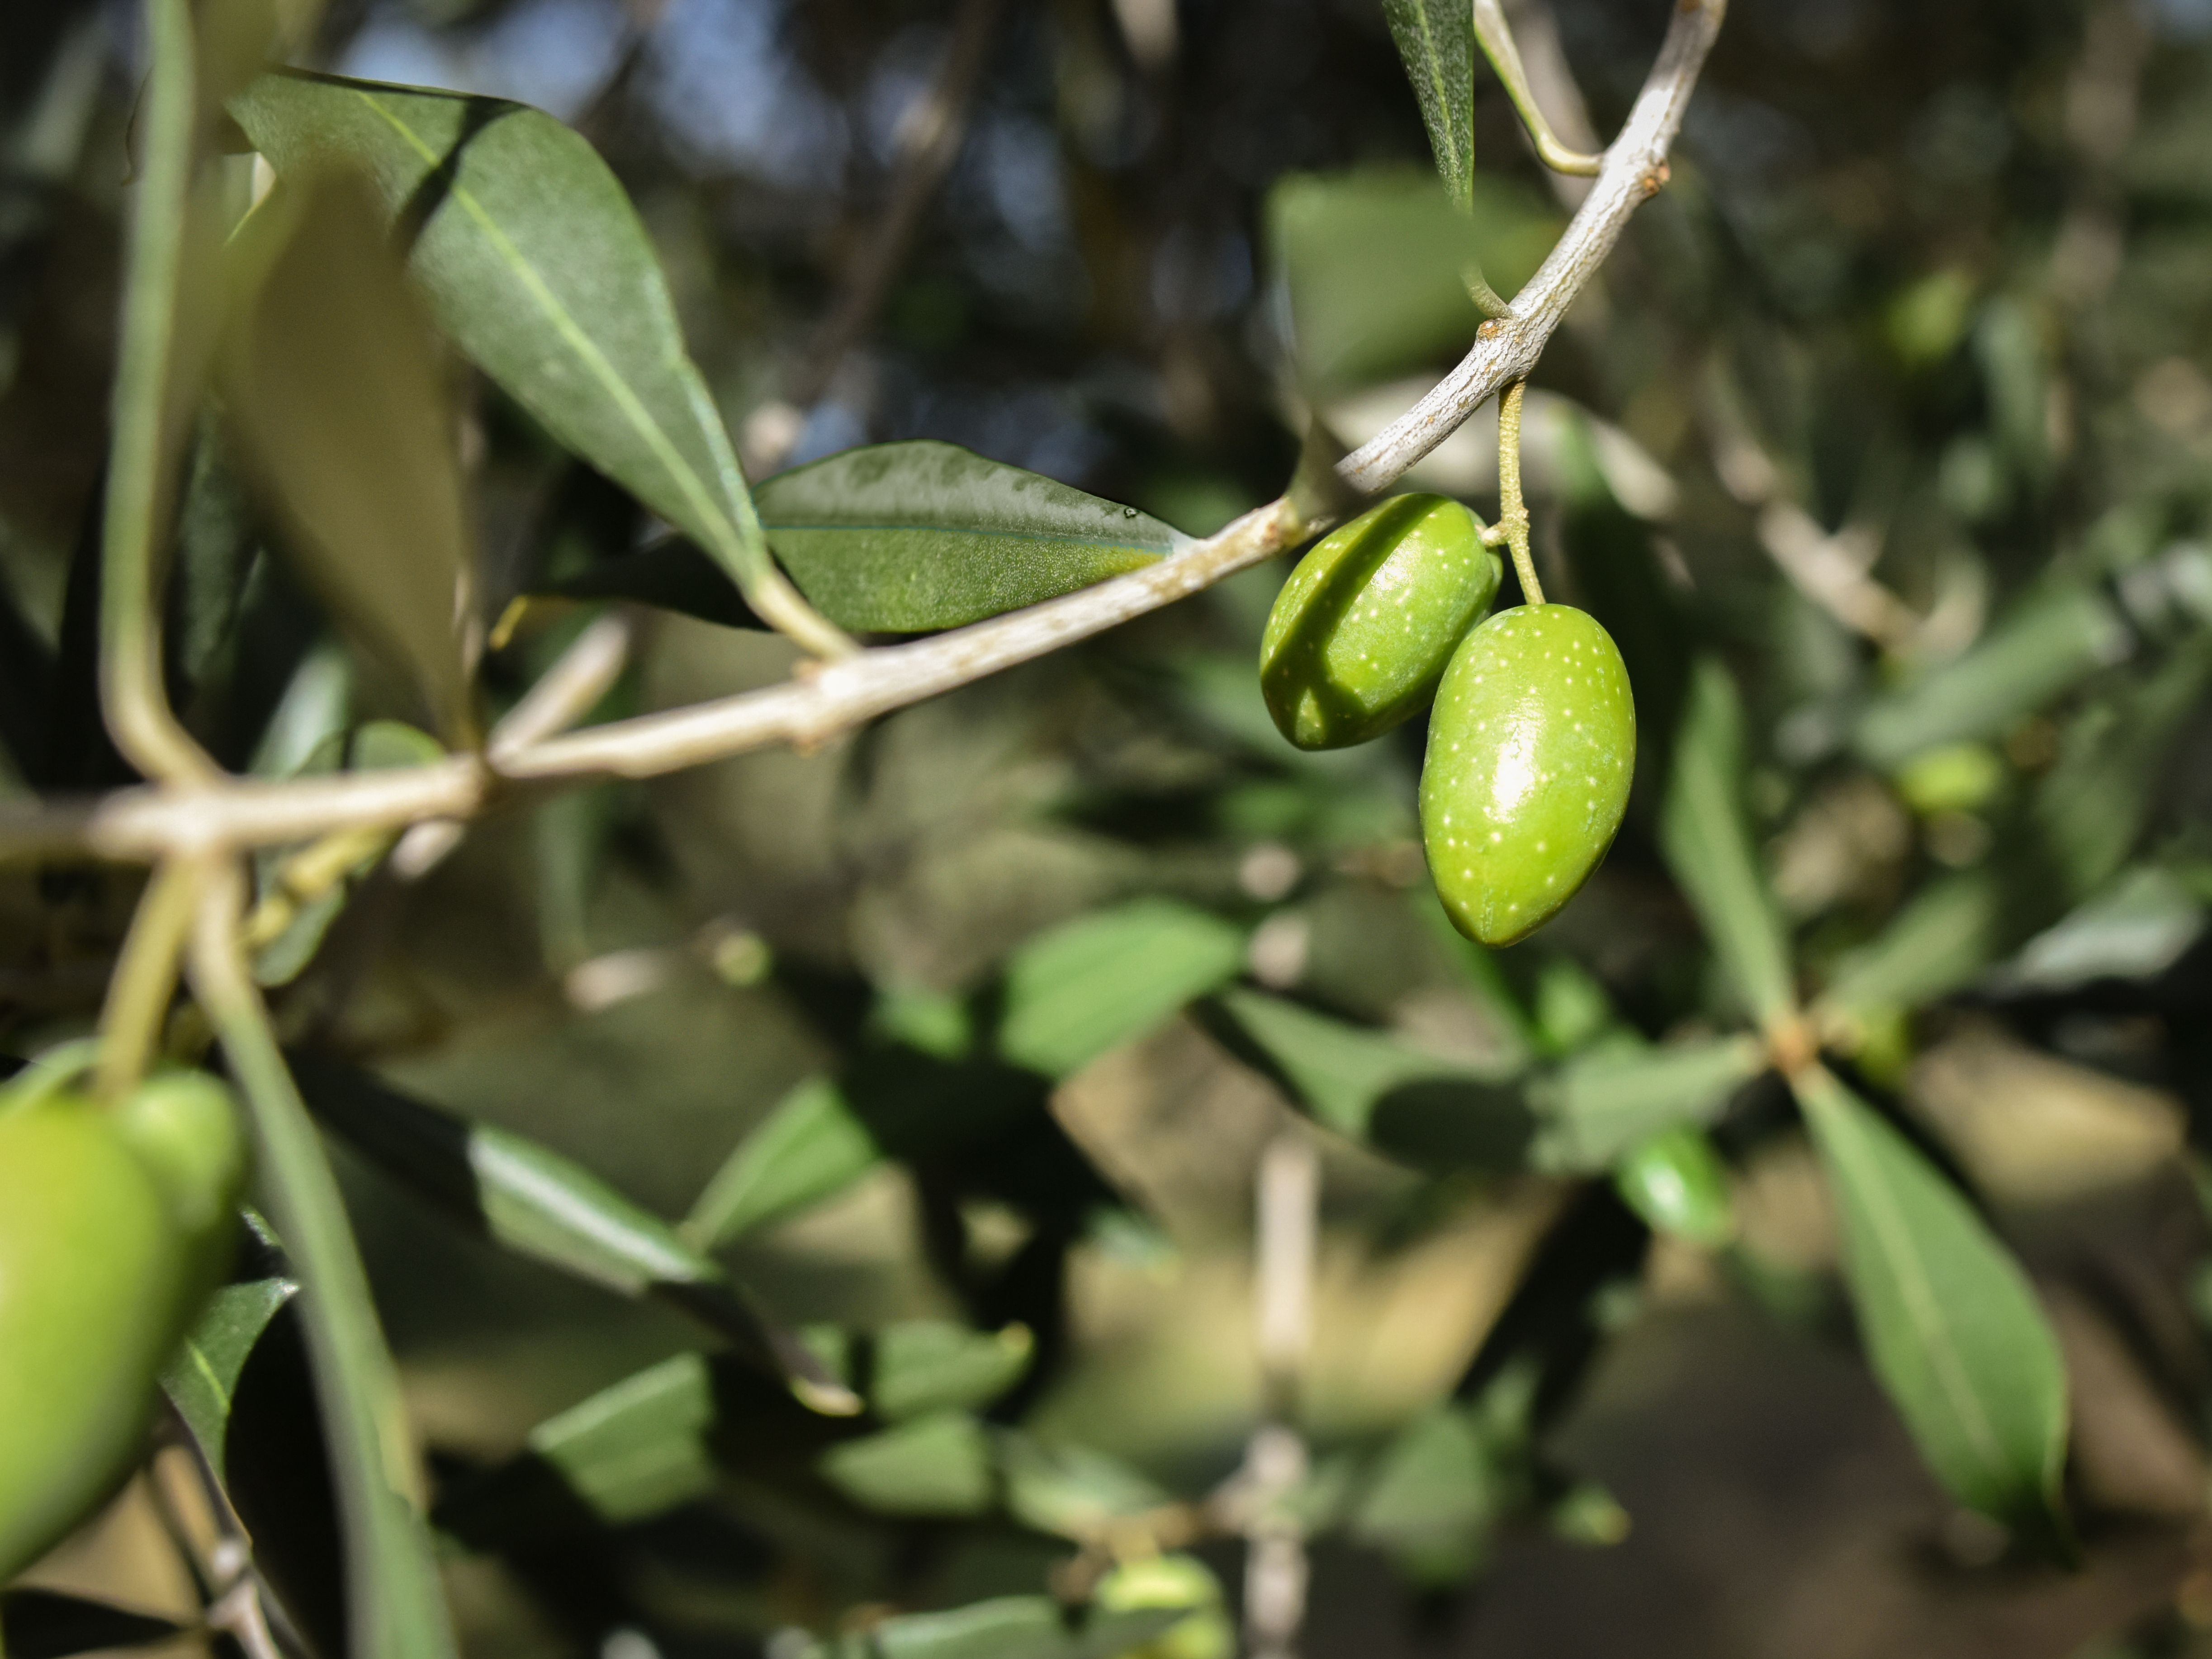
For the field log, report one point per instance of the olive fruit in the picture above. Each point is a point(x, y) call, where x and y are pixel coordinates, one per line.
point(184, 1128)
point(91, 1277)
point(1676, 1182)
point(1170, 1582)
point(1362, 629)
point(1531, 746)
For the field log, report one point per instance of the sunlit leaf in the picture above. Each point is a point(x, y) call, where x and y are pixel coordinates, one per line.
point(1707, 842)
point(811, 1143)
point(907, 536)
point(1435, 39)
point(2137, 929)
point(922, 1366)
point(202, 1378)
point(1377, 1089)
point(1601, 1103)
point(537, 266)
point(1072, 1491)
point(1107, 978)
point(333, 388)
point(1950, 1323)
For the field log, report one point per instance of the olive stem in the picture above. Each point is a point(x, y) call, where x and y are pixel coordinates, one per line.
point(1487, 300)
point(1495, 36)
point(394, 1608)
point(145, 978)
point(1512, 512)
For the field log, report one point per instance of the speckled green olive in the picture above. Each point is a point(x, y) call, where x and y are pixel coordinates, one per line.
point(93, 1284)
point(1362, 629)
point(1531, 747)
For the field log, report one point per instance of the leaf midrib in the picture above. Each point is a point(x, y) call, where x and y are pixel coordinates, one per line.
point(564, 323)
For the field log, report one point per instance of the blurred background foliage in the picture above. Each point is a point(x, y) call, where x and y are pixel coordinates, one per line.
point(958, 1039)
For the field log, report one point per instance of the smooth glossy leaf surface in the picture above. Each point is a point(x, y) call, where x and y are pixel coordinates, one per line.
point(1376, 1089)
point(1601, 1103)
point(810, 1145)
point(537, 265)
point(202, 1380)
point(332, 385)
point(1110, 977)
point(1007, 1627)
point(2050, 641)
point(1949, 1321)
point(1435, 39)
point(905, 538)
point(1707, 840)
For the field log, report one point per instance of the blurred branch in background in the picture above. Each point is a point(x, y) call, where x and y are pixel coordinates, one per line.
point(1286, 1218)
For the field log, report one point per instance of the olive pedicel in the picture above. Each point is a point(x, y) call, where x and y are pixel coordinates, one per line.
point(114, 1227)
point(1362, 631)
point(1531, 746)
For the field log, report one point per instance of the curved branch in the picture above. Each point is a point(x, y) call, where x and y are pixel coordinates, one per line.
point(828, 698)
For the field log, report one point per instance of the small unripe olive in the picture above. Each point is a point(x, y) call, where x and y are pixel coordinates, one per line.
point(1531, 747)
point(1172, 1581)
point(1362, 629)
point(1676, 1181)
point(93, 1283)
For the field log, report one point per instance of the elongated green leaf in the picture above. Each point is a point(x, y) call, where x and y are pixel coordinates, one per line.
point(537, 266)
point(531, 1201)
point(2046, 644)
point(1432, 1497)
point(1601, 1103)
point(203, 1377)
point(907, 536)
point(922, 1366)
point(1937, 944)
point(810, 1145)
point(395, 1606)
point(1707, 843)
point(1110, 977)
point(1436, 39)
point(1949, 1321)
point(2135, 929)
point(639, 1448)
point(1009, 1627)
point(333, 388)
point(938, 1465)
point(1376, 1089)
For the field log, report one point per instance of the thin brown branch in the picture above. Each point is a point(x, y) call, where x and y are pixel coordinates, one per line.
point(146, 823)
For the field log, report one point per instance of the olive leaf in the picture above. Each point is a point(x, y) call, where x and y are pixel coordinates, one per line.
point(332, 387)
point(1375, 1088)
point(1940, 942)
point(905, 538)
point(531, 1201)
point(1108, 977)
point(936, 1465)
point(1607, 1100)
point(918, 1366)
point(537, 266)
point(2043, 645)
point(1707, 843)
point(1435, 39)
point(202, 1378)
point(1950, 1322)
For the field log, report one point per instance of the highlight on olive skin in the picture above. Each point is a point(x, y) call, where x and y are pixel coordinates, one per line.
point(1531, 747)
point(1360, 633)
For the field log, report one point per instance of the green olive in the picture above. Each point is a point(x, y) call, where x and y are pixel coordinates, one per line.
point(93, 1283)
point(1172, 1581)
point(1362, 629)
point(1531, 747)
point(1676, 1181)
point(184, 1129)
